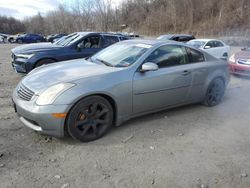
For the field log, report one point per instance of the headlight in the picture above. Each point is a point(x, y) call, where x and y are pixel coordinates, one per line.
point(232, 59)
point(24, 56)
point(49, 95)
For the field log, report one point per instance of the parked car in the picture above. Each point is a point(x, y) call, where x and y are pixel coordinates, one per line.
point(240, 62)
point(177, 37)
point(54, 37)
point(125, 80)
point(30, 38)
point(12, 38)
point(3, 38)
point(214, 47)
point(77, 45)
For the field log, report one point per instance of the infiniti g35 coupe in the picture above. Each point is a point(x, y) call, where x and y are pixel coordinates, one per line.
point(86, 97)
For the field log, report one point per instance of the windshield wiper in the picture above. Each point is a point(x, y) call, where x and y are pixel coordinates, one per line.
point(105, 62)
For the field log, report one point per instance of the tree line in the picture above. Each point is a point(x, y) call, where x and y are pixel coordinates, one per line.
point(149, 17)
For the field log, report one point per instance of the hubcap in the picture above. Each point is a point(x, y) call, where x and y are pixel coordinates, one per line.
point(215, 93)
point(92, 119)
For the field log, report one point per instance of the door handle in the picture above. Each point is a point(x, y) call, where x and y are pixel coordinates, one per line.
point(185, 73)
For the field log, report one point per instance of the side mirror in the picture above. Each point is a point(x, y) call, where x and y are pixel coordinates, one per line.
point(207, 47)
point(149, 66)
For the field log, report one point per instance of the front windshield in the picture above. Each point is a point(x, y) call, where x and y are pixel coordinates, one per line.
point(121, 54)
point(196, 44)
point(68, 40)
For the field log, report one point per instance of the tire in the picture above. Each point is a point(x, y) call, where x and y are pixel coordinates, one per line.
point(225, 56)
point(215, 92)
point(11, 40)
point(90, 119)
point(19, 41)
point(44, 62)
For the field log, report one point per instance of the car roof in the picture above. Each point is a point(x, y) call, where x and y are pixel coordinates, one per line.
point(101, 33)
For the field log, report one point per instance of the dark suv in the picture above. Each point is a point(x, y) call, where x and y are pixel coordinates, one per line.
point(73, 46)
point(177, 37)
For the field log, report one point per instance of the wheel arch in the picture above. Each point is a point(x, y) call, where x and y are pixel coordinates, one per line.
point(44, 58)
point(110, 99)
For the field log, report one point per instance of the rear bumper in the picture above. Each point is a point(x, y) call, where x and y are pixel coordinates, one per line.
point(243, 70)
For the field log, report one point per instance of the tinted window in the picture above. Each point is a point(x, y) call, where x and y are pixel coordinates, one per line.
point(195, 56)
point(218, 44)
point(124, 38)
point(210, 43)
point(109, 40)
point(169, 55)
point(90, 42)
point(185, 38)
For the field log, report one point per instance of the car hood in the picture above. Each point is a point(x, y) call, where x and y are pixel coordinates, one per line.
point(30, 48)
point(242, 55)
point(67, 71)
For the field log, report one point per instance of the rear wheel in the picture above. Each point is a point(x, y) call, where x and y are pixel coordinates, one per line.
point(44, 62)
point(215, 92)
point(225, 56)
point(90, 119)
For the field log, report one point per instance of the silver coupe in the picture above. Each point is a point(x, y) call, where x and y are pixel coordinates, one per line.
point(85, 98)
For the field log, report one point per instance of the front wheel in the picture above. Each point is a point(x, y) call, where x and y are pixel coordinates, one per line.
point(19, 41)
point(90, 119)
point(215, 92)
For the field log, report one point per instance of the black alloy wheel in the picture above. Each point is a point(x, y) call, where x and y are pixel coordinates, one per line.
point(90, 119)
point(215, 92)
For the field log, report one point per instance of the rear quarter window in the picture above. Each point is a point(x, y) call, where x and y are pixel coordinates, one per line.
point(194, 56)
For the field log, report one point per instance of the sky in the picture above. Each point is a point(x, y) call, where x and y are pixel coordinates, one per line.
point(21, 9)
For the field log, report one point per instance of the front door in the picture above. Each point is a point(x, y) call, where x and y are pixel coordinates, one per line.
point(170, 85)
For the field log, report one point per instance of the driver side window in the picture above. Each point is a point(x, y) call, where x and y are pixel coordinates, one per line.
point(210, 44)
point(90, 42)
point(169, 55)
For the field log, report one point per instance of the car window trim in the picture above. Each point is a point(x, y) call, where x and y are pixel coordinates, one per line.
point(198, 52)
point(139, 67)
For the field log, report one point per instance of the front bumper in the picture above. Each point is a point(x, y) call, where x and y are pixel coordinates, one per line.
point(39, 118)
point(243, 70)
point(21, 65)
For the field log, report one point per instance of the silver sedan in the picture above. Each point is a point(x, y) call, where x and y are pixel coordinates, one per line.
point(85, 98)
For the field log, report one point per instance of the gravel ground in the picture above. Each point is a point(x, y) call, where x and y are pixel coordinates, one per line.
point(192, 146)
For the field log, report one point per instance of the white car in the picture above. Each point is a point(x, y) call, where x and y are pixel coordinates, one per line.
point(1, 39)
point(214, 47)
